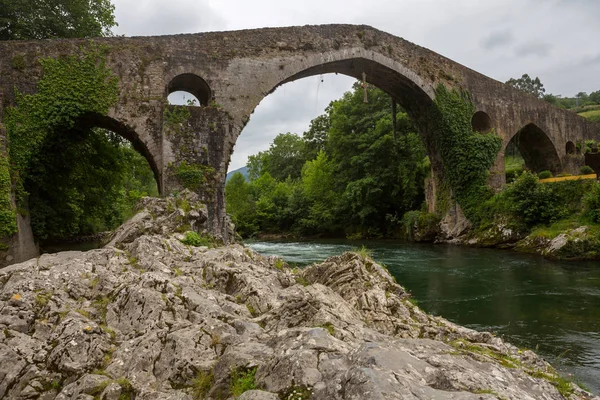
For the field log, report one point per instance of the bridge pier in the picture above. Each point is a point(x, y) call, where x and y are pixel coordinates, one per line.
point(195, 156)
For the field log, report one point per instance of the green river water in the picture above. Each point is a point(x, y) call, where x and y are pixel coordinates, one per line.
point(550, 307)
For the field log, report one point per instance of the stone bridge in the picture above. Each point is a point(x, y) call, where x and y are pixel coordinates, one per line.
point(231, 72)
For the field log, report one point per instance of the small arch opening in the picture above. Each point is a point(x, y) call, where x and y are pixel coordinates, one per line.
point(188, 89)
point(481, 122)
point(570, 148)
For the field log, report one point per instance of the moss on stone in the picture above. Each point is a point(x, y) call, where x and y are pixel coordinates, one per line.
point(8, 217)
point(466, 155)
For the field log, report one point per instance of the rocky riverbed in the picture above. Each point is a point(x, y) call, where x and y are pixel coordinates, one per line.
point(148, 317)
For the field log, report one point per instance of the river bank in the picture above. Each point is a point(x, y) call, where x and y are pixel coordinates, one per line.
point(549, 305)
point(565, 240)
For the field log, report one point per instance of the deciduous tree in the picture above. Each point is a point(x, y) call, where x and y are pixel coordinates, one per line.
point(46, 19)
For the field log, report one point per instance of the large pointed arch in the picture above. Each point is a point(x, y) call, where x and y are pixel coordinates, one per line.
point(413, 93)
point(403, 84)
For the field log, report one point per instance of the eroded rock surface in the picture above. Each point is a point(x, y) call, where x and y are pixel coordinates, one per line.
point(156, 319)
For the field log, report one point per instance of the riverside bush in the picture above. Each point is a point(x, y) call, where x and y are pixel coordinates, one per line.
point(591, 203)
point(532, 201)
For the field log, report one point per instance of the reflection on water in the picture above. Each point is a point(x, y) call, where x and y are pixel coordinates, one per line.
point(74, 246)
point(551, 307)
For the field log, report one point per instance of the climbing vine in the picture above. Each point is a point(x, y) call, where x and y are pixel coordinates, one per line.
point(70, 88)
point(466, 155)
point(194, 176)
point(8, 218)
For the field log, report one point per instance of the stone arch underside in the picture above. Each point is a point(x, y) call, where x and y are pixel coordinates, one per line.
point(537, 150)
point(403, 85)
point(93, 120)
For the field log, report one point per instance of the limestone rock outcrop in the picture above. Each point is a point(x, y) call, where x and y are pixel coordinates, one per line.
point(156, 319)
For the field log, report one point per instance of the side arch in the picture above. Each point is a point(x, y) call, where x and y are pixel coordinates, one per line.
point(92, 120)
point(537, 149)
point(481, 122)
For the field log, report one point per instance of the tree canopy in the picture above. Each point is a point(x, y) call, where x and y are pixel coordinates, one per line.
point(347, 175)
point(46, 19)
point(528, 85)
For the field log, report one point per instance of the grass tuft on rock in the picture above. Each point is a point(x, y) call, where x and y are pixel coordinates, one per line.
point(202, 384)
point(242, 380)
point(364, 253)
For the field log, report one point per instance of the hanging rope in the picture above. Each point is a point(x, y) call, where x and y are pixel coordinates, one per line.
point(317, 98)
point(364, 85)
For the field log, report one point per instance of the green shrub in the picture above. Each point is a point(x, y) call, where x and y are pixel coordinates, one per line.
point(513, 174)
point(194, 176)
point(194, 239)
point(589, 146)
point(420, 225)
point(409, 222)
point(545, 175)
point(586, 170)
point(242, 380)
point(532, 201)
point(591, 203)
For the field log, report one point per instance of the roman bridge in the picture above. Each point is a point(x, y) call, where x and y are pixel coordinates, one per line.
point(231, 72)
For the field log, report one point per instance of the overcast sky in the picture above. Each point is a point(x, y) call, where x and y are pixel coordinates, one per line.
point(556, 40)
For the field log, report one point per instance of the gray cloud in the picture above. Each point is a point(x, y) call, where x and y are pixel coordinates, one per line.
point(498, 39)
point(152, 17)
point(590, 60)
point(533, 49)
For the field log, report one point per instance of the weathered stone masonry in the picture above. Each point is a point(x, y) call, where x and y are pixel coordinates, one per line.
point(231, 72)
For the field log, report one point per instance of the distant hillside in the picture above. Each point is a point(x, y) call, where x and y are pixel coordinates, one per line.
point(592, 115)
point(243, 170)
